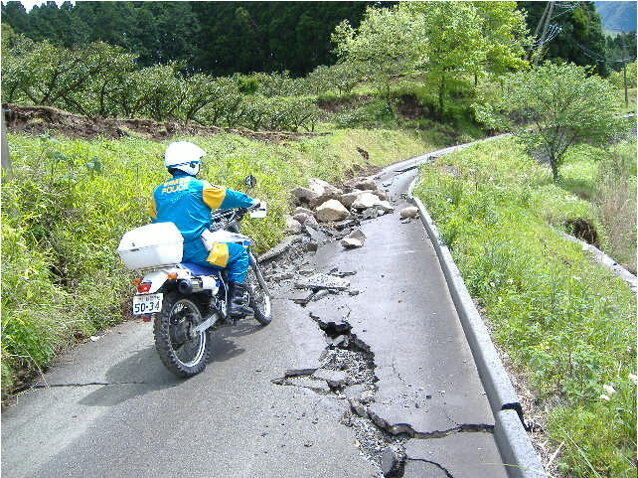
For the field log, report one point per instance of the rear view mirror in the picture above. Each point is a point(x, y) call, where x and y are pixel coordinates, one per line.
point(250, 181)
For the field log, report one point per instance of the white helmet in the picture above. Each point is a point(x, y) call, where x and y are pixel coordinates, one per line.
point(184, 156)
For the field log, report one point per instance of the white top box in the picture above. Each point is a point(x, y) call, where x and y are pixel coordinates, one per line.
point(152, 245)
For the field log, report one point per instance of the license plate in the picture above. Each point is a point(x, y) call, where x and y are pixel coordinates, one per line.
point(147, 303)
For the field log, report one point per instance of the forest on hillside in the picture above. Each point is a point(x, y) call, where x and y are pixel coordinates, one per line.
point(223, 38)
point(220, 38)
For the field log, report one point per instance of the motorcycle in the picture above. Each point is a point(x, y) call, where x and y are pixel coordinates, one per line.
point(188, 302)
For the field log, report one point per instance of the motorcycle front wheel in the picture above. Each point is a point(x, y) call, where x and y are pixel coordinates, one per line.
point(260, 300)
point(182, 350)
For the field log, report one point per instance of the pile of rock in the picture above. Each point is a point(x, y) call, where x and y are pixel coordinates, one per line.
point(341, 208)
point(360, 198)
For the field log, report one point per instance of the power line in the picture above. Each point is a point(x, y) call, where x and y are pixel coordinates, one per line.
point(598, 57)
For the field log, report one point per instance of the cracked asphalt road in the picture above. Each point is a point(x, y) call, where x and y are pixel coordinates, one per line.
point(402, 395)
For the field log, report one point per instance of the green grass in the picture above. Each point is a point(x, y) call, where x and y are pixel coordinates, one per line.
point(70, 201)
point(567, 324)
point(607, 179)
point(629, 107)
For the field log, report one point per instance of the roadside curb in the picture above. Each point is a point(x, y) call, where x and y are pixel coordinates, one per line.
point(606, 261)
point(511, 437)
point(498, 386)
point(515, 447)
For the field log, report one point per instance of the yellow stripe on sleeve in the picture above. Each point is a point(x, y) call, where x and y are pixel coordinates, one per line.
point(218, 254)
point(213, 195)
point(152, 209)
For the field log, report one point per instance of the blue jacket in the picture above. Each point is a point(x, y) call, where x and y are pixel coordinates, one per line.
point(187, 202)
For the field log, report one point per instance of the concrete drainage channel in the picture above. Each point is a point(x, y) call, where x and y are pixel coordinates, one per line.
point(512, 439)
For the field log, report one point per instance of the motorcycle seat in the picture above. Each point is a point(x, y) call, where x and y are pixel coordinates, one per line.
point(200, 270)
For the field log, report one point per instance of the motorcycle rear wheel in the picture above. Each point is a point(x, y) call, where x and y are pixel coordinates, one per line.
point(182, 351)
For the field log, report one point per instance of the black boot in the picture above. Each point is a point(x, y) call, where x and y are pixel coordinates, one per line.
point(237, 300)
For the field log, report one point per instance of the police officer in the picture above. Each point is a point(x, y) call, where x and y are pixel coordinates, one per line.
point(187, 202)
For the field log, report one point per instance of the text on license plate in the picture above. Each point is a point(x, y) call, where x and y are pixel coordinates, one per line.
point(147, 303)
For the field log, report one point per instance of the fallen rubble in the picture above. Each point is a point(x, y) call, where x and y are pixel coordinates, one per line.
point(354, 240)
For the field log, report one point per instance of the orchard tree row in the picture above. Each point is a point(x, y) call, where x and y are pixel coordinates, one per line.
point(101, 80)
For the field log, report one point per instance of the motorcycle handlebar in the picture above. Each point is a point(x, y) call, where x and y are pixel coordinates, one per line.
point(235, 214)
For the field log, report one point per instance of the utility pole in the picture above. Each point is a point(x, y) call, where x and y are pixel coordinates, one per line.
point(549, 9)
point(538, 29)
point(624, 72)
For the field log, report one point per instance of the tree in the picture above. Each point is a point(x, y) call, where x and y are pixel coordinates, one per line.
point(201, 89)
point(225, 102)
point(342, 76)
point(574, 33)
point(80, 80)
point(388, 42)
point(565, 106)
point(450, 42)
point(156, 92)
point(95, 99)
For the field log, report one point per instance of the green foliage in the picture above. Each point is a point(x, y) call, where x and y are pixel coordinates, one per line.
point(156, 92)
point(567, 324)
point(102, 81)
point(388, 42)
point(451, 43)
point(218, 38)
point(374, 114)
point(617, 78)
point(45, 74)
point(580, 39)
point(565, 106)
point(341, 78)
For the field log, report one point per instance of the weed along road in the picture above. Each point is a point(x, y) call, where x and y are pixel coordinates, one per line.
point(365, 371)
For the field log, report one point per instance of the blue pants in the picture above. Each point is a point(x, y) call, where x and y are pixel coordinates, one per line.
point(224, 255)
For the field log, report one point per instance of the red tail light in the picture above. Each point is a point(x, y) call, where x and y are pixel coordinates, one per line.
point(144, 287)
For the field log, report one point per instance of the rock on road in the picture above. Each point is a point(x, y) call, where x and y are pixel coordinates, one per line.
point(370, 380)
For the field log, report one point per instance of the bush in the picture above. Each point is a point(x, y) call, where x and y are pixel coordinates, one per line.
point(615, 195)
point(341, 77)
point(374, 114)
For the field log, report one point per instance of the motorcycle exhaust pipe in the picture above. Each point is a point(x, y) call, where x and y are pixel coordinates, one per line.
point(186, 286)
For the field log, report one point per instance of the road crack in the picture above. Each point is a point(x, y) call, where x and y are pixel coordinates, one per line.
point(438, 465)
point(85, 384)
